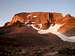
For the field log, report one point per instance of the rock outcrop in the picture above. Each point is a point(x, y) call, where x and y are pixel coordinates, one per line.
point(43, 20)
point(69, 23)
point(21, 17)
point(40, 18)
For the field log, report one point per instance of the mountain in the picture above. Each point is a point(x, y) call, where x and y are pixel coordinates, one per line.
point(17, 38)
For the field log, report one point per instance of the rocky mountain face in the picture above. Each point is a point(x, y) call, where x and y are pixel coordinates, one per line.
point(43, 20)
point(22, 17)
point(19, 39)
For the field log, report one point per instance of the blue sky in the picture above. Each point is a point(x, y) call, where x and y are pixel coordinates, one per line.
point(10, 7)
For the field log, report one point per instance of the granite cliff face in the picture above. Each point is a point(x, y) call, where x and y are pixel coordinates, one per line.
point(21, 17)
point(69, 23)
point(43, 20)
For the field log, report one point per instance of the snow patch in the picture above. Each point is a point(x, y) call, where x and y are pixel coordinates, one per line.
point(34, 16)
point(54, 30)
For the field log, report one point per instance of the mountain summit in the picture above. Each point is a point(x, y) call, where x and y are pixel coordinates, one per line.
point(43, 20)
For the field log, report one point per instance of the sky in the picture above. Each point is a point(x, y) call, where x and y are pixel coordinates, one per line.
point(8, 8)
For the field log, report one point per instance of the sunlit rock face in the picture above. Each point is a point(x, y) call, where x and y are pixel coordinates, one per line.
point(43, 20)
point(69, 23)
point(21, 17)
point(55, 18)
point(40, 18)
